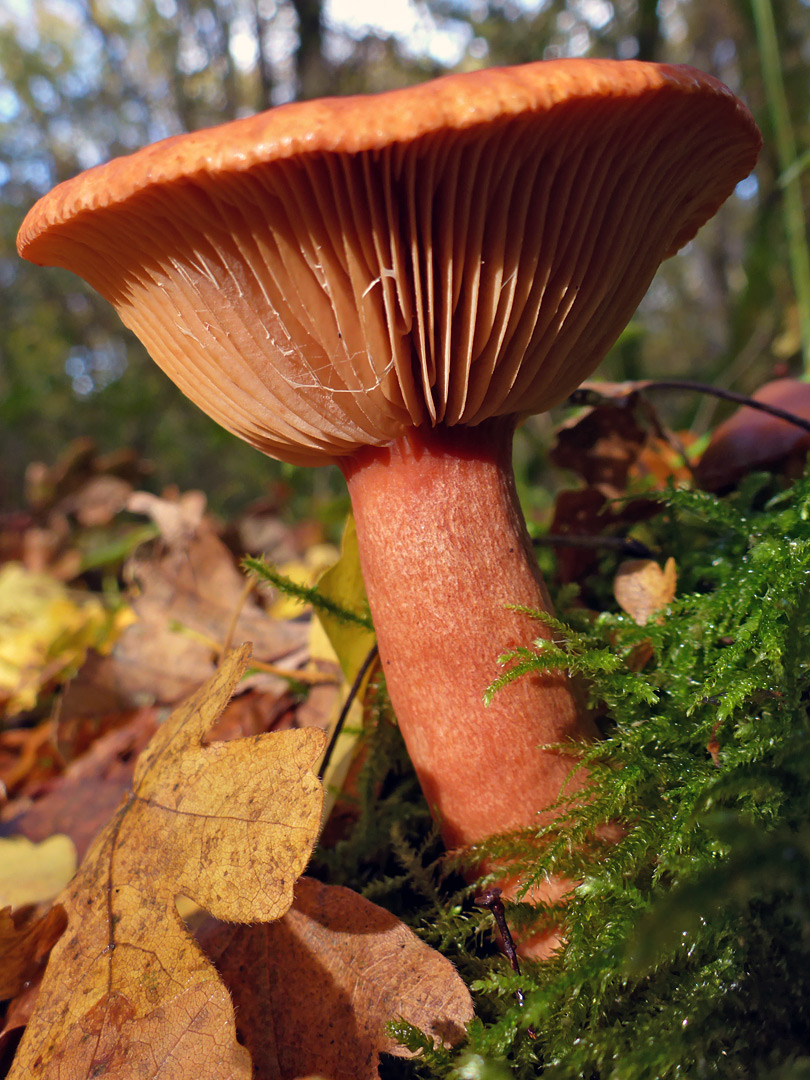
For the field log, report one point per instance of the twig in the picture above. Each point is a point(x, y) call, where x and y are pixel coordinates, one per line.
point(247, 589)
point(727, 395)
point(344, 712)
point(590, 395)
point(491, 899)
point(632, 548)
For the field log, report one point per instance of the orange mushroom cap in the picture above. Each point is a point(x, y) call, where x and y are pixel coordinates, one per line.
point(328, 274)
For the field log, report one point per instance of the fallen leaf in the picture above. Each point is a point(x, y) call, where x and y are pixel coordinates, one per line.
point(641, 587)
point(18, 1014)
point(187, 602)
point(34, 873)
point(231, 826)
point(82, 800)
point(343, 584)
point(28, 756)
point(601, 445)
point(751, 439)
point(44, 631)
point(177, 519)
point(98, 501)
point(23, 945)
point(332, 639)
point(315, 990)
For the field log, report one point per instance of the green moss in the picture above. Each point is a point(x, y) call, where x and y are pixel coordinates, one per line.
point(688, 940)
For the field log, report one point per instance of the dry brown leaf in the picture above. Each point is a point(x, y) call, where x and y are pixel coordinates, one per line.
point(28, 756)
point(188, 597)
point(230, 825)
point(18, 1013)
point(178, 519)
point(601, 445)
point(314, 991)
point(82, 800)
point(23, 945)
point(97, 501)
point(750, 440)
point(641, 587)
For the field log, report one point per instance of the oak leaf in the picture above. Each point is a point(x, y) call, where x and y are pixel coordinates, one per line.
point(128, 993)
point(315, 990)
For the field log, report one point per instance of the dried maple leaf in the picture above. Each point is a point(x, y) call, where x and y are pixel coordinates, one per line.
point(366, 968)
point(127, 992)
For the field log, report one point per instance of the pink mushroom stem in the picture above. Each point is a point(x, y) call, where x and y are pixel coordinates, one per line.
point(445, 553)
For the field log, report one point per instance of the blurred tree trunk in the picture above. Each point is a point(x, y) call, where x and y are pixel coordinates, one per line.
point(315, 75)
point(649, 30)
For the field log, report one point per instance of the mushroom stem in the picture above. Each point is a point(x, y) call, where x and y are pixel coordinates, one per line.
point(445, 551)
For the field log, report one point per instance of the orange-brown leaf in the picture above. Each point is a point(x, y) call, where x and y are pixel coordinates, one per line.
point(315, 990)
point(641, 587)
point(231, 825)
point(22, 947)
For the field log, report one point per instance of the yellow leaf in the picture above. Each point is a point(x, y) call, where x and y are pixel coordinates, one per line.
point(45, 632)
point(349, 644)
point(33, 873)
point(303, 572)
point(343, 584)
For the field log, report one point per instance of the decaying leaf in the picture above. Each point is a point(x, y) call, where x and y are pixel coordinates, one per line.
point(230, 825)
point(34, 873)
point(187, 602)
point(601, 445)
point(178, 520)
point(750, 440)
point(23, 945)
point(83, 799)
point(641, 587)
point(315, 990)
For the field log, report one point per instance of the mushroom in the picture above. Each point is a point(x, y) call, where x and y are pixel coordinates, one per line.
point(392, 283)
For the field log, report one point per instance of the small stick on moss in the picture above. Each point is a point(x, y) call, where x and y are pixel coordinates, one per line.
point(491, 899)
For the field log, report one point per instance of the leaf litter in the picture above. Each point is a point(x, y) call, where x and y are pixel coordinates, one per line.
point(231, 825)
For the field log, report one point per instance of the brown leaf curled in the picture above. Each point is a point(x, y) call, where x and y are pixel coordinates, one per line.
point(128, 993)
point(641, 587)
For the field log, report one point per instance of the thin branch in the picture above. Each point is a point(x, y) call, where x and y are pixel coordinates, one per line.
point(347, 704)
point(632, 548)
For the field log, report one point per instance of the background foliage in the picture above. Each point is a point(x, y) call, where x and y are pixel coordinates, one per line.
point(84, 80)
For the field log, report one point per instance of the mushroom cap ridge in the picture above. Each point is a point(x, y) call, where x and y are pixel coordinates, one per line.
point(322, 276)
